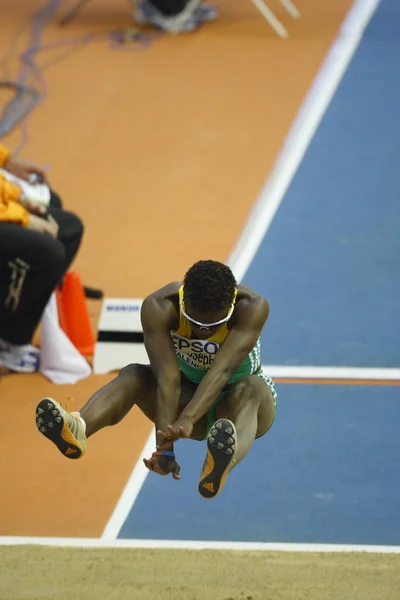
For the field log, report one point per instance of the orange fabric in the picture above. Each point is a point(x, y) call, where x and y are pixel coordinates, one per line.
point(10, 210)
point(4, 155)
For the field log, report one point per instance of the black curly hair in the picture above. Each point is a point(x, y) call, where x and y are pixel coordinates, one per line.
point(209, 286)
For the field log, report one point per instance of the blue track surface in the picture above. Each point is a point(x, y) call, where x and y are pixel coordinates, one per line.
point(328, 471)
point(330, 263)
point(330, 267)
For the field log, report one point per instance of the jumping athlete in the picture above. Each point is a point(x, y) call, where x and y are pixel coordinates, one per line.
point(204, 381)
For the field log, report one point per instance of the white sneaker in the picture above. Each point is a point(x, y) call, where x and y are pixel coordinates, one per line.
point(146, 14)
point(19, 359)
point(193, 15)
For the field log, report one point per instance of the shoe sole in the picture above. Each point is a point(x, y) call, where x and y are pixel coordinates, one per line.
point(221, 450)
point(52, 425)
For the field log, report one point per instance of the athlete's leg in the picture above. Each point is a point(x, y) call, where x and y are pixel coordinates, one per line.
point(246, 412)
point(135, 384)
point(250, 405)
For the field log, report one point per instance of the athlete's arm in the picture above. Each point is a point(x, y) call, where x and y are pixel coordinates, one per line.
point(250, 319)
point(156, 317)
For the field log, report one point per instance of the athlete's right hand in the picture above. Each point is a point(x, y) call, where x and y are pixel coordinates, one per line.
point(48, 226)
point(163, 465)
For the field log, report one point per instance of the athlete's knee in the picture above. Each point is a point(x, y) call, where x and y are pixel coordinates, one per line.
point(131, 370)
point(250, 388)
point(137, 373)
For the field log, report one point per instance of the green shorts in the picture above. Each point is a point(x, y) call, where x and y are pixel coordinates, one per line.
point(212, 412)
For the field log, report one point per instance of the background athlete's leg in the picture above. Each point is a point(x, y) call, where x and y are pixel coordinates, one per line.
point(250, 405)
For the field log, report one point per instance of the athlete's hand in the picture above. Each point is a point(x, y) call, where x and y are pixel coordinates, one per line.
point(23, 169)
point(163, 465)
point(182, 428)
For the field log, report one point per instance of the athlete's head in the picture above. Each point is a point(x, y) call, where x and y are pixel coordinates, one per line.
point(209, 289)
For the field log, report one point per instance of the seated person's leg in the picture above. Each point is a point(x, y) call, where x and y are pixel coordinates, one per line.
point(70, 233)
point(31, 264)
point(55, 200)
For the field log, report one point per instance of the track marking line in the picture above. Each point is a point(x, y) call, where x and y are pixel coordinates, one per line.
point(195, 545)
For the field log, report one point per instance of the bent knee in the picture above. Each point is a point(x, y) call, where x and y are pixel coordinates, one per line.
point(142, 373)
point(251, 386)
point(75, 223)
point(132, 370)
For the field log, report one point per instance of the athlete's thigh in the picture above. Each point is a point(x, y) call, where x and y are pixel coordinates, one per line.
point(147, 396)
point(188, 389)
point(267, 407)
point(252, 390)
point(139, 383)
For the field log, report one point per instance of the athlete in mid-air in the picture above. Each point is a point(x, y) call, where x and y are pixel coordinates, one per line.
point(204, 381)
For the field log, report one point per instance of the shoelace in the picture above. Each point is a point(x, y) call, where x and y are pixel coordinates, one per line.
point(66, 405)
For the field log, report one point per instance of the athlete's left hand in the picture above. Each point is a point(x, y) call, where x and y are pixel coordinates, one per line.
point(163, 465)
point(182, 428)
point(23, 169)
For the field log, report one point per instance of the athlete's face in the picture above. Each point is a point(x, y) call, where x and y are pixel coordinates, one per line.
point(203, 332)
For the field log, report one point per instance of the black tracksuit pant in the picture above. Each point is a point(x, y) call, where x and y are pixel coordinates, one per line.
point(32, 264)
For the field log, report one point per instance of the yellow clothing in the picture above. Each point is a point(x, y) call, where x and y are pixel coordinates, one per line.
point(4, 155)
point(195, 356)
point(10, 210)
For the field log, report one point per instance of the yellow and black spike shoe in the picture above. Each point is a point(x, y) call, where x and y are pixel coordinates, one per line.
point(63, 428)
point(221, 450)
